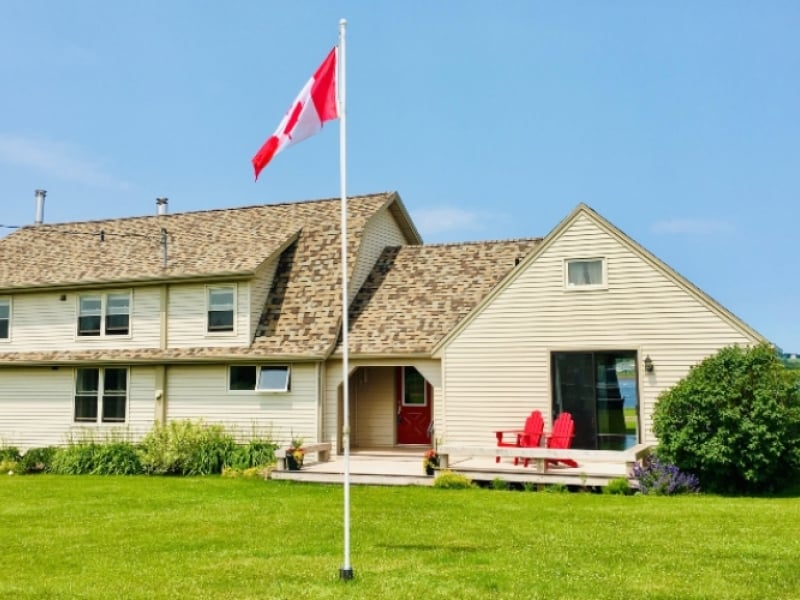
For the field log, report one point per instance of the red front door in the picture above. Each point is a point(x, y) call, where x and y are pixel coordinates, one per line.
point(414, 396)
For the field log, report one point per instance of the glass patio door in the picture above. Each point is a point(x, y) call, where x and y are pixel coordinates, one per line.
point(599, 389)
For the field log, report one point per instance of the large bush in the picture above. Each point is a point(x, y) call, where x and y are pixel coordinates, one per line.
point(255, 453)
point(734, 421)
point(37, 460)
point(76, 458)
point(117, 458)
point(187, 448)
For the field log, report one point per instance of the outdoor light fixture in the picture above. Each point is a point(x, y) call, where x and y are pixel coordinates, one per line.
point(648, 364)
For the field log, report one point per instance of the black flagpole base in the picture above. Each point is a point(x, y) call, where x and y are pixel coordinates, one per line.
point(345, 574)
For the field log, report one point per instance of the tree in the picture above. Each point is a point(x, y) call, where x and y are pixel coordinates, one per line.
point(734, 421)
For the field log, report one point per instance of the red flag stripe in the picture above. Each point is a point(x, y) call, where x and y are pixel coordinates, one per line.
point(315, 104)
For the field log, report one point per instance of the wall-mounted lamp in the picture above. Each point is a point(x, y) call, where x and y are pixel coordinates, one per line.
point(648, 364)
point(63, 297)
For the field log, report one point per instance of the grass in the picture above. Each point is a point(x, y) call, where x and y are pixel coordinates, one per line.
point(140, 537)
point(630, 421)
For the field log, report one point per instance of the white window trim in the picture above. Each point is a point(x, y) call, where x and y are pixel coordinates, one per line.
point(231, 333)
point(587, 287)
point(103, 314)
point(256, 390)
point(98, 422)
point(6, 340)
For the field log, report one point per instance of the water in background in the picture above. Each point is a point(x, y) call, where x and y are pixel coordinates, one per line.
point(627, 387)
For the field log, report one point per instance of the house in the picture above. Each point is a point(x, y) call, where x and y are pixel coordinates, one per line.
point(234, 316)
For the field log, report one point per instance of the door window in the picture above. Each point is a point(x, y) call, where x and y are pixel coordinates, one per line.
point(414, 388)
point(599, 390)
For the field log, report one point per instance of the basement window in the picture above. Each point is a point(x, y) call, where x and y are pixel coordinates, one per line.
point(259, 379)
point(586, 273)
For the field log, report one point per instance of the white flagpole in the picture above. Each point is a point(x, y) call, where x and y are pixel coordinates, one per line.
point(346, 571)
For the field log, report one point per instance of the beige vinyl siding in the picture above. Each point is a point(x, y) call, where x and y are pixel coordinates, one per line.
point(187, 317)
point(260, 286)
point(372, 400)
point(381, 231)
point(42, 321)
point(498, 368)
point(201, 392)
point(373, 410)
point(37, 407)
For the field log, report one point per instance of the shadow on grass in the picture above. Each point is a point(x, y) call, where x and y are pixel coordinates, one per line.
point(432, 547)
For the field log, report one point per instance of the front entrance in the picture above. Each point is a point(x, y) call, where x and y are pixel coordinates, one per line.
point(600, 390)
point(414, 399)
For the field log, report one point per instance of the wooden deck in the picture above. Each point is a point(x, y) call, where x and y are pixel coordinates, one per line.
point(404, 466)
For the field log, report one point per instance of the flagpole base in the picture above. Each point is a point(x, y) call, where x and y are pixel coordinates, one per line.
point(346, 574)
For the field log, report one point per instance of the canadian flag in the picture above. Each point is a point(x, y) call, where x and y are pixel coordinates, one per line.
point(315, 104)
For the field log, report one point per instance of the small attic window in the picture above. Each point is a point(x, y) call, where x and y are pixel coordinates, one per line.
point(586, 273)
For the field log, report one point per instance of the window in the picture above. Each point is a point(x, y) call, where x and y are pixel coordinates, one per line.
point(220, 309)
point(5, 319)
point(101, 393)
point(89, 315)
point(259, 379)
point(116, 309)
point(586, 273)
point(414, 388)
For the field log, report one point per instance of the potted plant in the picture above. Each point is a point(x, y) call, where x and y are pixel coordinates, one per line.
point(430, 461)
point(295, 454)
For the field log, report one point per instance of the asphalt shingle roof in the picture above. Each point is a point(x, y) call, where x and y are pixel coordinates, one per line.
point(225, 242)
point(303, 309)
point(413, 297)
point(416, 294)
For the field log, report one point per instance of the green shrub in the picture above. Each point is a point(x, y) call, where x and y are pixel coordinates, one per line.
point(37, 460)
point(448, 480)
point(529, 486)
point(77, 458)
point(187, 448)
point(10, 453)
point(117, 458)
point(734, 421)
point(255, 453)
point(499, 483)
point(557, 488)
point(618, 487)
point(9, 467)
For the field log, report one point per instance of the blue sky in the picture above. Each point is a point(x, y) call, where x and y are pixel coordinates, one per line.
point(676, 121)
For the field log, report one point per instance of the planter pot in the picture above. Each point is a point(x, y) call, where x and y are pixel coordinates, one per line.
point(429, 470)
point(293, 463)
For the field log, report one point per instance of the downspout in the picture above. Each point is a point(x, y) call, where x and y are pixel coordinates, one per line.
point(161, 370)
point(320, 402)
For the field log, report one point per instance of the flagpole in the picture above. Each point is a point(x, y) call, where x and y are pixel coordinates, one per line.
point(346, 571)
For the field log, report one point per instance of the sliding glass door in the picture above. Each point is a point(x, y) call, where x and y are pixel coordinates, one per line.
point(599, 389)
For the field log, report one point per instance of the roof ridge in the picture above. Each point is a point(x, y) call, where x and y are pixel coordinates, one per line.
point(201, 212)
point(475, 243)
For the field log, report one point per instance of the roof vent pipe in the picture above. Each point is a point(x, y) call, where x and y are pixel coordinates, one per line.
point(39, 195)
point(161, 205)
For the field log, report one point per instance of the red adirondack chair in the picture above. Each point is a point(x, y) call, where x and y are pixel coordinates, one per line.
point(529, 437)
point(561, 437)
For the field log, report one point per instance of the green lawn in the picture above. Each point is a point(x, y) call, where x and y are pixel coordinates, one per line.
point(116, 537)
